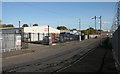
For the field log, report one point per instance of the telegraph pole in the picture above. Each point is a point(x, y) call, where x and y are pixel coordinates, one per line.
point(100, 17)
point(19, 23)
point(100, 30)
point(80, 29)
point(48, 35)
point(95, 21)
point(79, 25)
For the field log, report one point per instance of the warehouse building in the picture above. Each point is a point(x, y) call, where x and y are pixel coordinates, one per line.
point(37, 33)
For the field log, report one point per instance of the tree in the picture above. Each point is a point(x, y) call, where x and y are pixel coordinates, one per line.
point(6, 26)
point(0, 23)
point(90, 28)
point(85, 32)
point(62, 28)
point(25, 25)
point(89, 31)
point(9, 25)
point(35, 24)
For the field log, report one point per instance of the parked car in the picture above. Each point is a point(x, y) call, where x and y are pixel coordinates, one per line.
point(45, 40)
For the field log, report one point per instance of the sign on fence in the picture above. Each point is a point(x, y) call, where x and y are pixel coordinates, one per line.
point(18, 40)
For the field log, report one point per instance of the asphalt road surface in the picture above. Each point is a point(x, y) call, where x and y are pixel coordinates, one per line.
point(49, 58)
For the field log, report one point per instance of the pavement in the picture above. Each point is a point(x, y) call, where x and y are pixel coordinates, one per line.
point(99, 61)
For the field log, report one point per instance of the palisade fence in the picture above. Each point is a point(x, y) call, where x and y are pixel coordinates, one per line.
point(54, 38)
point(12, 41)
point(116, 34)
point(116, 44)
point(17, 41)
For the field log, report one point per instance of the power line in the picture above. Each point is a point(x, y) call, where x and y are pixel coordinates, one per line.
point(50, 11)
point(79, 24)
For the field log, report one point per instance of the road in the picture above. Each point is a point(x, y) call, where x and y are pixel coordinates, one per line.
point(49, 58)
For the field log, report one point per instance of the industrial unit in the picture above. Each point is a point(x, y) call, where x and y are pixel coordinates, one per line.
point(11, 39)
point(37, 33)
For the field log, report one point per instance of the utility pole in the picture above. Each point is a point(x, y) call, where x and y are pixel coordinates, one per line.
point(100, 17)
point(100, 30)
point(79, 25)
point(80, 29)
point(95, 21)
point(48, 36)
point(19, 23)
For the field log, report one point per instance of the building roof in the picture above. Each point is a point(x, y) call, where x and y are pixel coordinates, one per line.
point(40, 29)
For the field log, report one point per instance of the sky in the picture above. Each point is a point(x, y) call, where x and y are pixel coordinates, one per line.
point(58, 13)
point(60, 0)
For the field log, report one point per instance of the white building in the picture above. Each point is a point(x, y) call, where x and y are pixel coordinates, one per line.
point(36, 33)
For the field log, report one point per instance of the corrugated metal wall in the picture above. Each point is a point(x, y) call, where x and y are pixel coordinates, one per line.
point(8, 42)
point(13, 39)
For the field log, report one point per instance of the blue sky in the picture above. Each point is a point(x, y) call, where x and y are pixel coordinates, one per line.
point(60, 0)
point(58, 13)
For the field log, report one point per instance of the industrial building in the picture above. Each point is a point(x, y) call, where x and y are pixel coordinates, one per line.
point(37, 33)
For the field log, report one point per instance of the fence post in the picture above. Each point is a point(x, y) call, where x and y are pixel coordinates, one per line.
point(38, 36)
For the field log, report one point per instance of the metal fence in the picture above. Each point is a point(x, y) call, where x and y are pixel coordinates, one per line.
point(116, 44)
point(68, 37)
point(116, 34)
point(18, 41)
point(12, 41)
point(116, 19)
point(54, 38)
point(32, 37)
